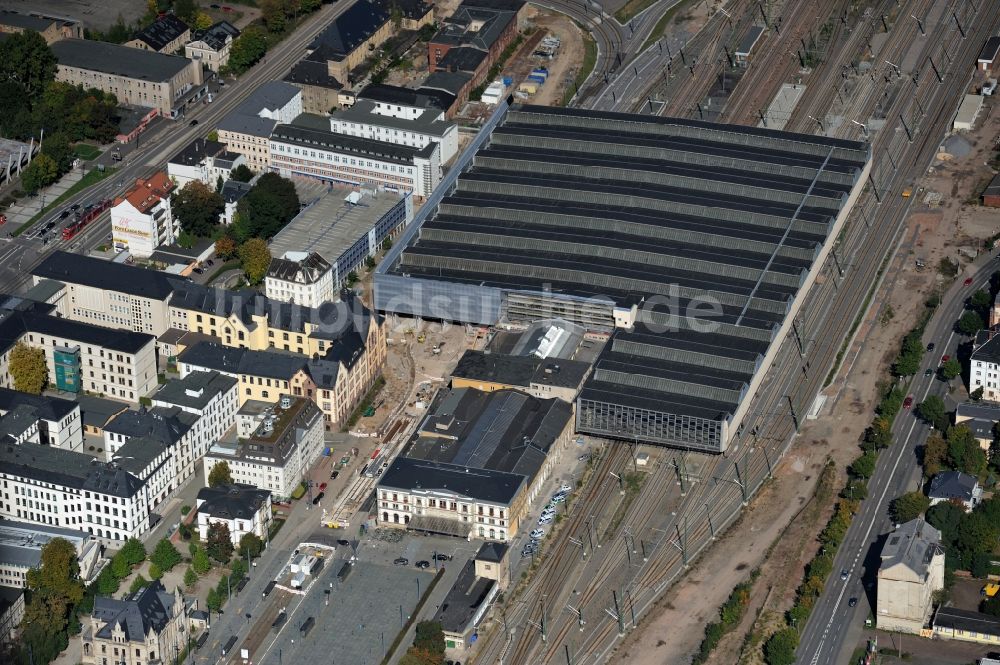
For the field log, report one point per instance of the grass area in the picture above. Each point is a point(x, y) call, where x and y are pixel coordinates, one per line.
point(632, 8)
point(91, 178)
point(632, 482)
point(586, 67)
point(299, 491)
point(276, 525)
point(86, 151)
point(365, 403)
point(661, 25)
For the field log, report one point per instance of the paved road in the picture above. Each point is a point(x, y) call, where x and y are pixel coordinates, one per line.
point(19, 255)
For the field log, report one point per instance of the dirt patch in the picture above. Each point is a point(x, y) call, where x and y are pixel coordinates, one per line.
point(564, 66)
point(933, 232)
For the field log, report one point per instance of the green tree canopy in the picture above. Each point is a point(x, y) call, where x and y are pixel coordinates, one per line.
point(251, 545)
point(219, 544)
point(165, 555)
point(932, 411)
point(964, 451)
point(241, 174)
point(225, 247)
point(255, 257)
point(780, 647)
point(220, 475)
point(28, 369)
point(141, 582)
point(909, 506)
point(26, 59)
point(40, 173)
point(190, 577)
point(246, 50)
point(980, 301)
point(213, 600)
point(186, 10)
point(200, 562)
point(951, 369)
point(198, 208)
point(56, 146)
point(269, 205)
point(970, 323)
point(273, 13)
point(935, 454)
point(864, 466)
point(133, 551)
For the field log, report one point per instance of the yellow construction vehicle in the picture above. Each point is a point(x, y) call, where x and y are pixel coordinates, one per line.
point(990, 589)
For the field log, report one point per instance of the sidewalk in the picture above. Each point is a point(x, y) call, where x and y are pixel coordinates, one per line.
point(29, 206)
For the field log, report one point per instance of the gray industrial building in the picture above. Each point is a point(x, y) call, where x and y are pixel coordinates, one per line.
point(693, 243)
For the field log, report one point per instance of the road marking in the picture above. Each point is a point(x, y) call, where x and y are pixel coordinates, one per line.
point(878, 507)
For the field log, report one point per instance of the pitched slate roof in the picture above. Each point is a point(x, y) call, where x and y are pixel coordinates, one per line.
point(105, 275)
point(148, 609)
point(952, 485)
point(232, 501)
point(351, 29)
point(162, 31)
point(47, 408)
point(118, 60)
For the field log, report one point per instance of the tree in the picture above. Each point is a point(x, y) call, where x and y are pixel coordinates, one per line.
point(26, 59)
point(202, 21)
point(266, 208)
point(241, 174)
point(165, 555)
point(947, 518)
point(141, 582)
point(780, 647)
point(237, 570)
point(991, 606)
point(935, 454)
point(255, 257)
point(909, 506)
point(198, 208)
point(225, 247)
point(55, 590)
point(864, 466)
point(213, 601)
point(308, 6)
point(976, 394)
point(220, 475)
point(200, 562)
point(964, 451)
point(429, 636)
point(273, 13)
point(190, 577)
point(879, 434)
point(950, 369)
point(219, 544)
point(970, 323)
point(932, 411)
point(120, 567)
point(219, 184)
point(57, 147)
point(41, 172)
point(247, 49)
point(186, 10)
point(155, 572)
point(28, 369)
point(133, 551)
point(107, 582)
point(980, 301)
point(251, 545)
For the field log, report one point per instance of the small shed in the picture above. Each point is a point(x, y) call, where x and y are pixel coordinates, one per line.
point(965, 119)
point(747, 44)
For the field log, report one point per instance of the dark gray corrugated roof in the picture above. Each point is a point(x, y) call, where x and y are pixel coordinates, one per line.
point(118, 60)
point(482, 484)
point(105, 275)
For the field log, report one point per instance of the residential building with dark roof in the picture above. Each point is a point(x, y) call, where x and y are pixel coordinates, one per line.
point(680, 203)
point(352, 36)
point(60, 423)
point(167, 34)
point(212, 399)
point(394, 98)
point(321, 91)
point(21, 550)
point(232, 192)
point(493, 562)
point(955, 487)
point(203, 160)
point(277, 455)
point(134, 76)
point(308, 148)
point(413, 14)
point(417, 128)
point(450, 88)
point(981, 418)
point(61, 488)
point(952, 623)
point(242, 508)
point(479, 36)
point(51, 28)
point(989, 57)
point(247, 129)
point(911, 570)
point(303, 278)
point(145, 626)
point(984, 365)
point(211, 46)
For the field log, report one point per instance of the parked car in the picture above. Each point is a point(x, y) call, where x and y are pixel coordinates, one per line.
point(537, 534)
point(334, 474)
point(566, 489)
point(852, 602)
point(545, 519)
point(945, 358)
point(423, 565)
point(343, 542)
point(441, 556)
point(930, 347)
point(844, 574)
point(908, 402)
point(558, 498)
point(269, 587)
point(318, 498)
point(322, 487)
point(583, 458)
point(928, 372)
point(401, 561)
point(967, 282)
point(193, 122)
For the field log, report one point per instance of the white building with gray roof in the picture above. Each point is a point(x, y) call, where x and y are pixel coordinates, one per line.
point(21, 550)
point(303, 278)
point(407, 126)
point(912, 569)
point(248, 128)
point(145, 627)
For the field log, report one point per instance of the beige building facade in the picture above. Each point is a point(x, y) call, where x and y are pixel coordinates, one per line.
point(912, 569)
point(141, 629)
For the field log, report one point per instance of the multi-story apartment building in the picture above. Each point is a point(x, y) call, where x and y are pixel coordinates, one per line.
point(21, 550)
point(984, 365)
point(211, 398)
point(397, 124)
point(141, 219)
point(81, 357)
point(55, 487)
point(912, 569)
point(351, 37)
point(300, 278)
point(211, 46)
point(242, 508)
point(155, 445)
point(483, 29)
point(134, 76)
point(109, 294)
point(167, 34)
point(247, 130)
point(263, 376)
point(308, 148)
point(203, 160)
point(51, 28)
point(277, 455)
point(59, 420)
point(143, 628)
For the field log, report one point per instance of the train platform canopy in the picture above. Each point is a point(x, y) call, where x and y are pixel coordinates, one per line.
point(694, 242)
